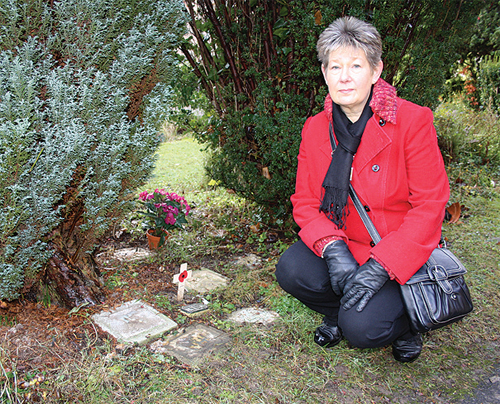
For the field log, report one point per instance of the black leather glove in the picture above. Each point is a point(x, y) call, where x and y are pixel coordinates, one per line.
point(341, 265)
point(368, 280)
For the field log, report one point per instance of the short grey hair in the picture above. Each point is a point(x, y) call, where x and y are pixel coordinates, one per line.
point(350, 32)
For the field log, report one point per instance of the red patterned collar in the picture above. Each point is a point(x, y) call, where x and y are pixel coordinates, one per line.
point(384, 102)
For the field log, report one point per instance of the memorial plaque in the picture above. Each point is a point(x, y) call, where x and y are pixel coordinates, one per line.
point(134, 322)
point(205, 280)
point(193, 345)
point(253, 315)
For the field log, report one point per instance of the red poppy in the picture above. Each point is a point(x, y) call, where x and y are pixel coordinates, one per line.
point(183, 276)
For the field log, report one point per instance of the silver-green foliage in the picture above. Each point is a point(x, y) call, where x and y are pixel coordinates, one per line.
point(83, 89)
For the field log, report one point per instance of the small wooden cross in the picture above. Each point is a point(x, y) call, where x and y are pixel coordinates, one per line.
point(180, 278)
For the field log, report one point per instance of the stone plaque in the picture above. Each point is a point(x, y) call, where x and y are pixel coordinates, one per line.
point(205, 280)
point(134, 322)
point(253, 315)
point(193, 345)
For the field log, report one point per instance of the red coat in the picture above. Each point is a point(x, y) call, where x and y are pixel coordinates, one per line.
point(398, 172)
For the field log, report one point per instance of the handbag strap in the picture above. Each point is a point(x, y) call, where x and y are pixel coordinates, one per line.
point(372, 230)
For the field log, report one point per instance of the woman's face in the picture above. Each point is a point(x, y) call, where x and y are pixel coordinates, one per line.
point(349, 77)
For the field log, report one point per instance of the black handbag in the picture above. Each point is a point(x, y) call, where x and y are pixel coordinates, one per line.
point(436, 295)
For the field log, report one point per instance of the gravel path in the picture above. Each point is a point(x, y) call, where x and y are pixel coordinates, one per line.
point(487, 392)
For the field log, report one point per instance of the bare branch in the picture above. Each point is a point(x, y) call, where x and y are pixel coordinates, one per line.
point(225, 47)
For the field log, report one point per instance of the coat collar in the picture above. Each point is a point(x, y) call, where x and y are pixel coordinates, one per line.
point(384, 102)
point(372, 143)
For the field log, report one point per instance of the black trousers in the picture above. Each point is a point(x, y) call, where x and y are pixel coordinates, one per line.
point(305, 276)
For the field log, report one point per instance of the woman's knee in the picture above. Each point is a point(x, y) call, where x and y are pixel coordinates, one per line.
point(300, 269)
point(286, 272)
point(369, 331)
point(364, 335)
point(381, 322)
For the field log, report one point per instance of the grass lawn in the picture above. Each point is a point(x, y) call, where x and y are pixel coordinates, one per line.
point(179, 166)
point(280, 363)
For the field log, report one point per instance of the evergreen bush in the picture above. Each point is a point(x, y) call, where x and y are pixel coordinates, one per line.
point(470, 143)
point(83, 90)
point(489, 83)
point(256, 61)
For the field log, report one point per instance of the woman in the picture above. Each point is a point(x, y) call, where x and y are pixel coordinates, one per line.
point(387, 148)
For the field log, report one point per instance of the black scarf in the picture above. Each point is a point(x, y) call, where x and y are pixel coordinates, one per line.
point(336, 182)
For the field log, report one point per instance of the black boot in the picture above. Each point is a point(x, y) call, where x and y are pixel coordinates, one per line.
point(327, 335)
point(407, 350)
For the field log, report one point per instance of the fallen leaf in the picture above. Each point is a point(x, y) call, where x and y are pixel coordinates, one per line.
point(254, 228)
point(454, 210)
point(318, 17)
point(265, 173)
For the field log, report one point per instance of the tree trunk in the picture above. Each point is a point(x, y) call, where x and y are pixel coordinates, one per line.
point(70, 283)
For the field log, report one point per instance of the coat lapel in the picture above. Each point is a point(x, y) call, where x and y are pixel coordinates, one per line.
point(374, 140)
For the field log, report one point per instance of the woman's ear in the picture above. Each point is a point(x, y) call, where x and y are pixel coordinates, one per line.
point(324, 73)
point(377, 72)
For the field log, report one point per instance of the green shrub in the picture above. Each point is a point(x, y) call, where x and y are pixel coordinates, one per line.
point(470, 144)
point(489, 83)
point(82, 90)
point(256, 62)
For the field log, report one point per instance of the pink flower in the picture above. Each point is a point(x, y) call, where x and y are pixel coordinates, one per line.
point(170, 219)
point(171, 208)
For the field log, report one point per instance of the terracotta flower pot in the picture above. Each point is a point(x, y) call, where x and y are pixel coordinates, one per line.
point(154, 241)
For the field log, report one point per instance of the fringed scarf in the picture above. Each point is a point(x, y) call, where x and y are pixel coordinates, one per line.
point(336, 182)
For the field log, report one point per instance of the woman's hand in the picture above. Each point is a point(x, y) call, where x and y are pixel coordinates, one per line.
point(367, 281)
point(341, 265)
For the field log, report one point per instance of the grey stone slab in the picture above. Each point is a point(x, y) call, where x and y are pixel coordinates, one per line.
point(131, 254)
point(125, 254)
point(134, 322)
point(205, 280)
point(251, 261)
point(193, 345)
point(253, 315)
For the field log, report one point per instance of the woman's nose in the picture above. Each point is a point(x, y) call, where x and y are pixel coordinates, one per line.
point(344, 75)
